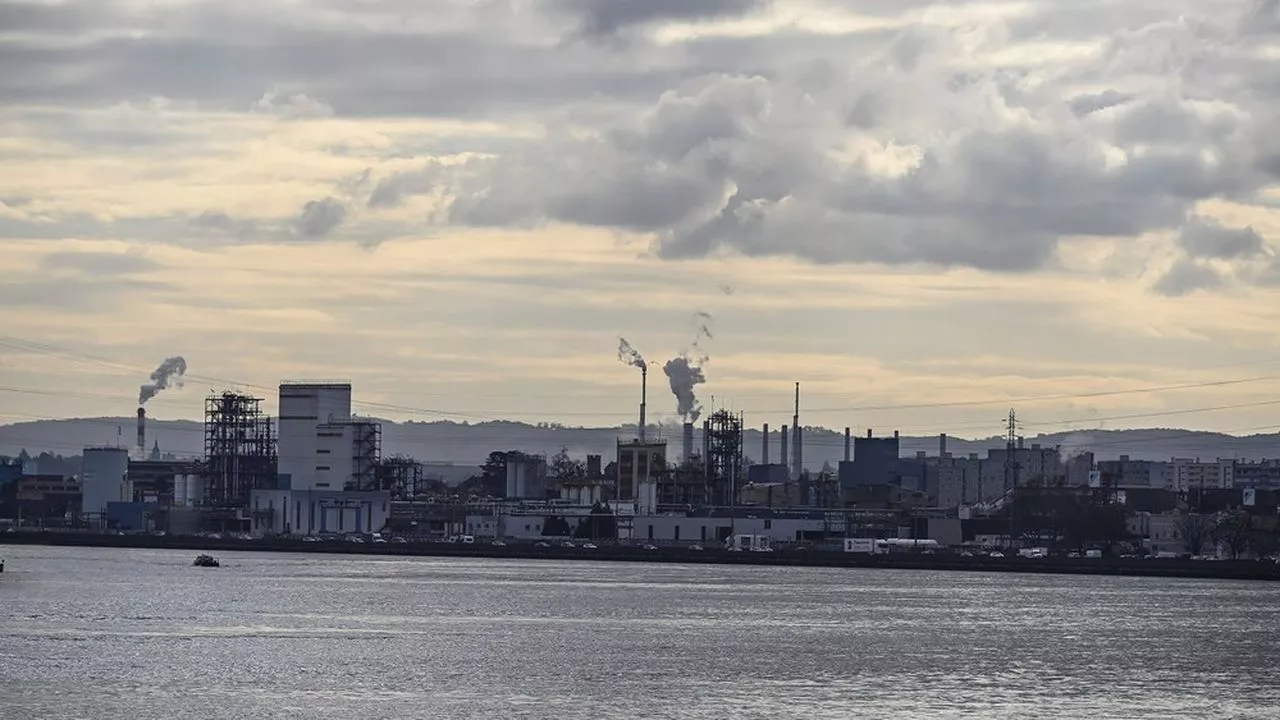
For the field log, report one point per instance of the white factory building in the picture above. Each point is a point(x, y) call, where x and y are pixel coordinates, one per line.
point(327, 466)
point(313, 512)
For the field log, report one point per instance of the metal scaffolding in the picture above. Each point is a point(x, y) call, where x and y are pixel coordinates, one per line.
point(723, 455)
point(366, 454)
point(400, 475)
point(239, 450)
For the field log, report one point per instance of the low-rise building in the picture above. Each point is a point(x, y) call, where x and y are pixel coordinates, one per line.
point(313, 512)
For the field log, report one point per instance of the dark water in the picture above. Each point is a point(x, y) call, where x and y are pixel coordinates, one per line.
point(97, 633)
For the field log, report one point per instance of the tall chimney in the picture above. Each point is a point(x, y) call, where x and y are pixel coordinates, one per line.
point(942, 445)
point(687, 438)
point(142, 432)
point(764, 445)
point(797, 458)
point(706, 445)
point(783, 460)
point(644, 392)
point(847, 439)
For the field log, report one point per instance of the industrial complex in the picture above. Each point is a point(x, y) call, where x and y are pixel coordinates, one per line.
point(317, 470)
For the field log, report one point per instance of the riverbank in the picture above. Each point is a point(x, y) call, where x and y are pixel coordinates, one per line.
point(1161, 567)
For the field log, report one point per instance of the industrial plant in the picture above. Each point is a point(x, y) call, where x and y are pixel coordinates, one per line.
point(316, 470)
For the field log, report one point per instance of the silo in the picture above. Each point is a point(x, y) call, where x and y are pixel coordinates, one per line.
point(195, 489)
point(102, 478)
point(180, 490)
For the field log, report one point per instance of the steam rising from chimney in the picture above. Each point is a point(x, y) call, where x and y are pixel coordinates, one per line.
point(629, 355)
point(171, 370)
point(684, 372)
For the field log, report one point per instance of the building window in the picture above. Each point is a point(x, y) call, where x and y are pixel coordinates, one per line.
point(322, 467)
point(650, 532)
point(322, 452)
point(677, 533)
point(768, 524)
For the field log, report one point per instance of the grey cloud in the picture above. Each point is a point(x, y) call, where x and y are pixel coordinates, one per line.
point(740, 163)
point(1187, 276)
point(392, 190)
point(320, 217)
point(1207, 238)
point(1085, 104)
point(99, 263)
point(218, 221)
point(610, 17)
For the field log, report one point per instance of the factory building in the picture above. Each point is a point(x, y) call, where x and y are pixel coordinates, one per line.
point(640, 465)
point(874, 462)
point(152, 481)
point(314, 512)
point(328, 467)
point(683, 528)
point(306, 451)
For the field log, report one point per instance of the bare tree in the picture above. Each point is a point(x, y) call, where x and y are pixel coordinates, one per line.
point(1194, 530)
point(564, 468)
point(1234, 529)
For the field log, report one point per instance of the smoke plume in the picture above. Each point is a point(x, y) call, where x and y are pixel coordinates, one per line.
point(629, 355)
point(701, 326)
point(684, 372)
point(171, 370)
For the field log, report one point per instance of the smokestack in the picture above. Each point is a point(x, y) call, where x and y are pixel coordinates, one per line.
point(764, 445)
point(706, 445)
point(848, 438)
point(942, 445)
point(783, 459)
point(644, 393)
point(142, 432)
point(688, 441)
point(797, 457)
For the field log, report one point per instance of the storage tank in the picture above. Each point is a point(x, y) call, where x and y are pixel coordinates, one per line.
point(180, 490)
point(102, 478)
point(195, 489)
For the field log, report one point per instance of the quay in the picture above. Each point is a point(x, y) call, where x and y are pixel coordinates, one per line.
point(1120, 566)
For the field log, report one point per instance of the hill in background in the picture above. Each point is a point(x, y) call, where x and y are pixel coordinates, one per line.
point(443, 444)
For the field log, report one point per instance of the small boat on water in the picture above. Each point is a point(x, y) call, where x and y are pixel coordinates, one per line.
point(205, 561)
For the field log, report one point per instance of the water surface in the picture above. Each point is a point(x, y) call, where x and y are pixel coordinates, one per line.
point(94, 633)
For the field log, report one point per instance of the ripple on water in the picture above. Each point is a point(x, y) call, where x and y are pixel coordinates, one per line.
point(136, 633)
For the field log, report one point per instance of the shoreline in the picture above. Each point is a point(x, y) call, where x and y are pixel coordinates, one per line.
point(1130, 567)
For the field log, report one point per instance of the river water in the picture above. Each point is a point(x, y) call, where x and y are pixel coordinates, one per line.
point(139, 634)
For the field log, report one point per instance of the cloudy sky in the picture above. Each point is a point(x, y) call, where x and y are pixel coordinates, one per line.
point(924, 211)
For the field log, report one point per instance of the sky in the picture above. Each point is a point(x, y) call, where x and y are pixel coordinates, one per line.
point(925, 212)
